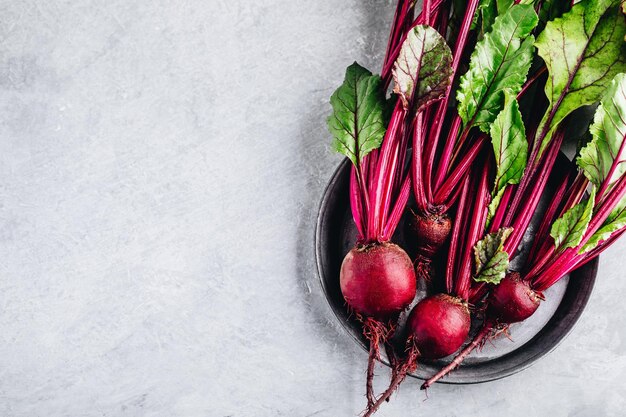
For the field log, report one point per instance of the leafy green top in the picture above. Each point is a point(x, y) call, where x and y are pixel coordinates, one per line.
point(606, 153)
point(500, 61)
point(603, 160)
point(569, 229)
point(357, 122)
point(510, 148)
point(491, 261)
point(423, 70)
point(486, 13)
point(583, 52)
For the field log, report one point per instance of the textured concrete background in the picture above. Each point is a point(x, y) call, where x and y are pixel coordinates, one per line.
point(161, 164)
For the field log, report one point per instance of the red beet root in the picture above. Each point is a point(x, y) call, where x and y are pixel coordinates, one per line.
point(431, 232)
point(439, 325)
point(512, 300)
point(378, 280)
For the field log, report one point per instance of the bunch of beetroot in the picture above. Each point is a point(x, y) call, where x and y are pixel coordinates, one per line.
point(459, 135)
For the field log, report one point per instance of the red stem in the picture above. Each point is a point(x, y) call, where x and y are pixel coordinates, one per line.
point(404, 142)
point(392, 169)
point(602, 246)
point(478, 292)
point(427, 6)
point(576, 193)
point(541, 237)
point(448, 149)
point(372, 162)
point(379, 179)
point(531, 171)
point(455, 236)
point(398, 17)
point(416, 163)
point(523, 218)
point(443, 195)
point(355, 203)
point(605, 209)
point(396, 213)
point(476, 219)
point(386, 72)
point(496, 222)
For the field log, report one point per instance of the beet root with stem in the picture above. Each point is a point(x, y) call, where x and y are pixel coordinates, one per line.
point(430, 232)
point(437, 327)
point(513, 300)
point(478, 340)
point(378, 282)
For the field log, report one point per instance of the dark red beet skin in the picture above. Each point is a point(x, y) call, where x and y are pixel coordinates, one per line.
point(512, 300)
point(431, 232)
point(378, 280)
point(439, 325)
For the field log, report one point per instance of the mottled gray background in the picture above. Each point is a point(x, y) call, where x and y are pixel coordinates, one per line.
point(161, 164)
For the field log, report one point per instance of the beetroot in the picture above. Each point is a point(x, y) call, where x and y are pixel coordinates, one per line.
point(439, 325)
point(378, 280)
point(430, 231)
point(512, 300)
point(433, 231)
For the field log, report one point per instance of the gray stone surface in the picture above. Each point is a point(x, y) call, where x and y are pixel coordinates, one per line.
point(161, 164)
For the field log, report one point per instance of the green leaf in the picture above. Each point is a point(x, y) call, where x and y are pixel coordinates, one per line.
point(500, 61)
point(510, 148)
point(606, 152)
point(615, 221)
point(486, 13)
point(491, 261)
point(568, 230)
point(496, 196)
point(583, 51)
point(357, 122)
point(423, 70)
point(608, 147)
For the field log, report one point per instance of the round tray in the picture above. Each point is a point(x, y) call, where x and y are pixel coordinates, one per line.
point(530, 340)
